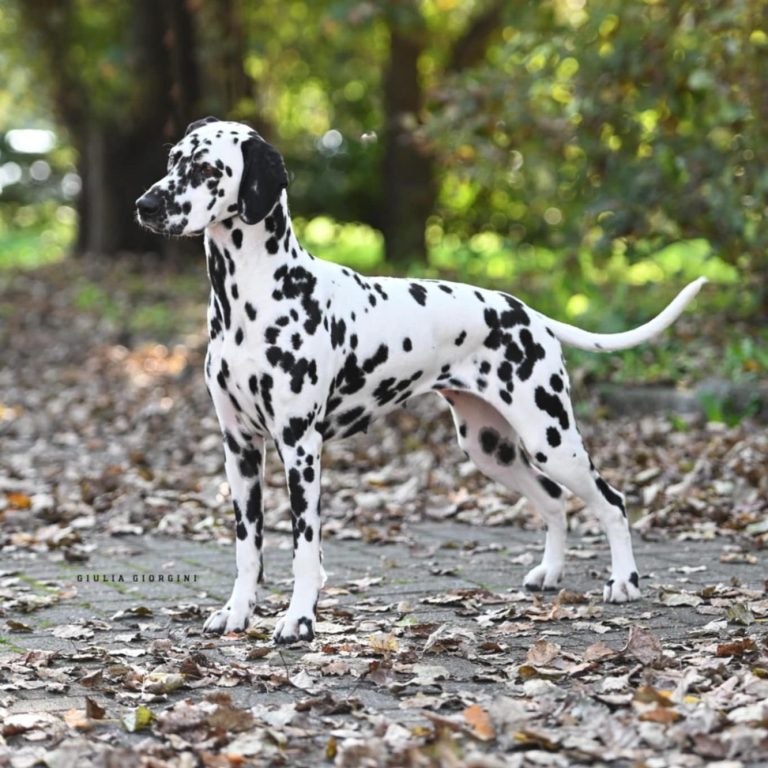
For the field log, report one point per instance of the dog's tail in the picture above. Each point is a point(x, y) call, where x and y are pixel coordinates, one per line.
point(608, 342)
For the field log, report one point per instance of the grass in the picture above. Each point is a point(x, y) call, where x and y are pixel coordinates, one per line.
point(9, 645)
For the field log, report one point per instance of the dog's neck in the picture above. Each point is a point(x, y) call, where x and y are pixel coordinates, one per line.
point(271, 238)
point(244, 262)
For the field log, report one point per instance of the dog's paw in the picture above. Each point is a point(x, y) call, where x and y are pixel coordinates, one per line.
point(226, 620)
point(622, 590)
point(542, 577)
point(290, 630)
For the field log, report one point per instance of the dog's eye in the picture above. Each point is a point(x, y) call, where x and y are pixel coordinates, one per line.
point(207, 170)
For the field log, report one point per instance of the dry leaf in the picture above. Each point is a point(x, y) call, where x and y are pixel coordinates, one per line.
point(383, 643)
point(542, 652)
point(643, 645)
point(93, 709)
point(77, 718)
point(480, 722)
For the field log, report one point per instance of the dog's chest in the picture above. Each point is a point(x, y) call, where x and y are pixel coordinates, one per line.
point(266, 357)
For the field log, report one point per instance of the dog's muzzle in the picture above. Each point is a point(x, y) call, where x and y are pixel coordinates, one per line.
point(149, 209)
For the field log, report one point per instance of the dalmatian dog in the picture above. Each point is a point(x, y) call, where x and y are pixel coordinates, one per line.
point(302, 351)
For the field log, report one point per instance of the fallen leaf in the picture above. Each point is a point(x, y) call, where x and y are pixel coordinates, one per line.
point(542, 652)
point(676, 599)
point(661, 715)
point(162, 682)
point(643, 645)
point(598, 652)
point(137, 718)
point(77, 718)
point(480, 722)
point(738, 613)
point(18, 626)
point(736, 647)
point(93, 709)
point(383, 643)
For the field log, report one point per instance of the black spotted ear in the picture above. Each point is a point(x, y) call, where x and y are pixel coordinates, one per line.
point(264, 178)
point(200, 123)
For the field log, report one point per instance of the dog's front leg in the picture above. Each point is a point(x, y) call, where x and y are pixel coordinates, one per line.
point(302, 468)
point(243, 465)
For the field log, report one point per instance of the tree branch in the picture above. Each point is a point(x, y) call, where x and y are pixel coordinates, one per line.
point(470, 48)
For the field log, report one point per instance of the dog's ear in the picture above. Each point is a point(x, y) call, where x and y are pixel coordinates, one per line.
point(200, 123)
point(264, 178)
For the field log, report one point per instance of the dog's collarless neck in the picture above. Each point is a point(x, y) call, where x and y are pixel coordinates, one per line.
point(272, 238)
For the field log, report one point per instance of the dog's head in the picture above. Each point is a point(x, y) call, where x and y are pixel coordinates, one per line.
point(218, 170)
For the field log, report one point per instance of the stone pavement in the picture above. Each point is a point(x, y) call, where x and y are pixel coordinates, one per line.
point(418, 578)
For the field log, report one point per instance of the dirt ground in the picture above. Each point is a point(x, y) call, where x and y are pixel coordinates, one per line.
point(428, 652)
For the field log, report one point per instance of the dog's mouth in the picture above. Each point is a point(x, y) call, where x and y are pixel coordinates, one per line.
point(163, 226)
point(158, 226)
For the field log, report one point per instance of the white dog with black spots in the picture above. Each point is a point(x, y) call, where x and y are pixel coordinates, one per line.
point(302, 351)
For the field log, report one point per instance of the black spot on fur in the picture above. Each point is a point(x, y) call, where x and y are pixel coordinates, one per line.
point(552, 405)
point(295, 430)
point(504, 371)
point(351, 415)
point(237, 237)
point(377, 359)
point(250, 311)
point(253, 508)
point(610, 495)
point(506, 453)
point(407, 345)
point(361, 425)
point(460, 338)
point(338, 332)
point(299, 283)
point(553, 437)
point(265, 385)
point(296, 492)
point(489, 439)
point(250, 462)
point(217, 274)
point(533, 352)
point(551, 487)
point(231, 442)
point(419, 293)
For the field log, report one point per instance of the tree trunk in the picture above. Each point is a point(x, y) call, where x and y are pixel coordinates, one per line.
point(408, 173)
point(409, 168)
point(119, 158)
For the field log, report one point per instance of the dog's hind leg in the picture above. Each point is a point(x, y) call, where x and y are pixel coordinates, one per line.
point(243, 464)
point(552, 439)
point(494, 447)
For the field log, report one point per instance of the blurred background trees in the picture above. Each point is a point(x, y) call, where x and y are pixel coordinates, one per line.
point(479, 139)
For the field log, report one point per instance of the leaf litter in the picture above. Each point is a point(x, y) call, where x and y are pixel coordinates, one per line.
point(107, 438)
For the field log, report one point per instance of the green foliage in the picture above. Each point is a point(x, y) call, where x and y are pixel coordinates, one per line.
point(35, 235)
point(637, 123)
point(722, 409)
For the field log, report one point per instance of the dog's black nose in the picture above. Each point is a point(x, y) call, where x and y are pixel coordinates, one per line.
point(148, 205)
